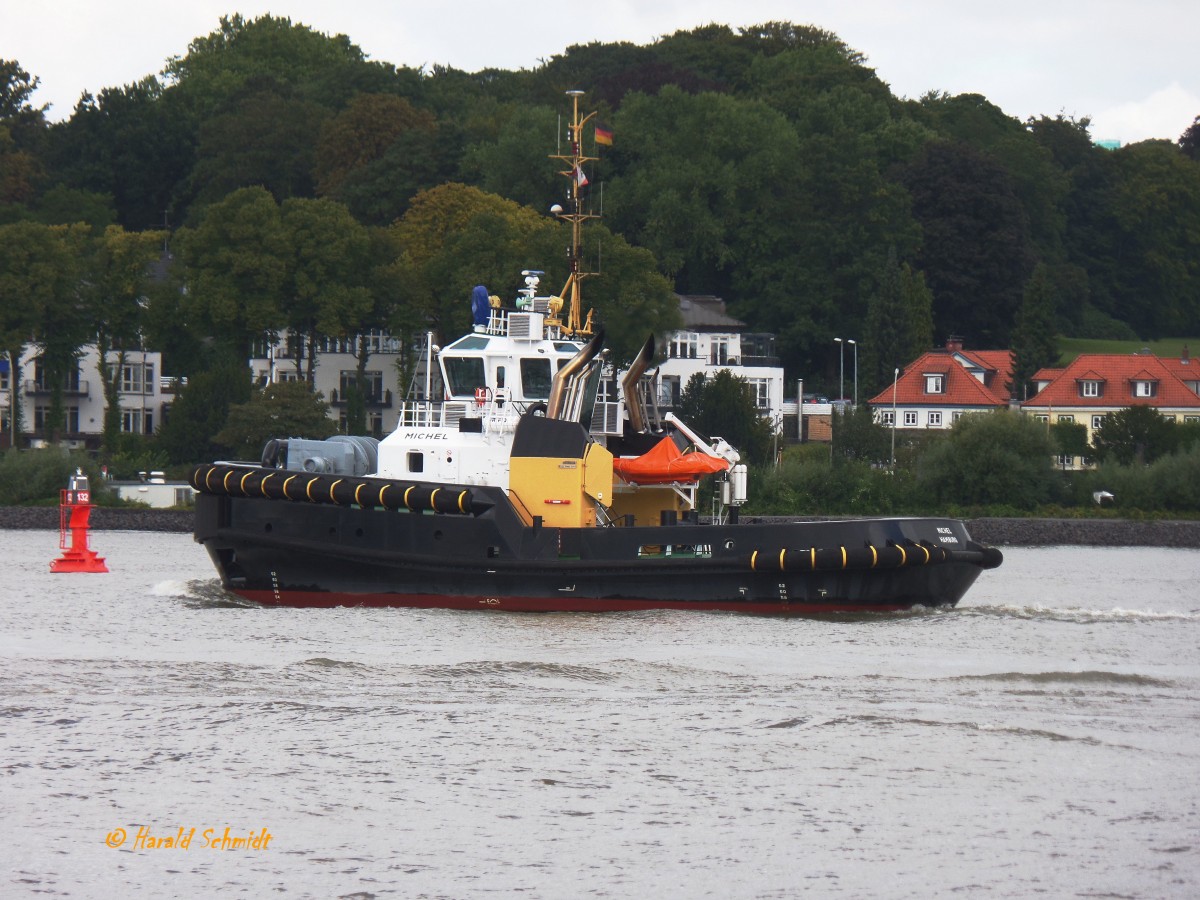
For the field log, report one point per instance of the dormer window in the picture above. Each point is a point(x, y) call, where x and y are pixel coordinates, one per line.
point(935, 383)
point(1145, 389)
point(1090, 389)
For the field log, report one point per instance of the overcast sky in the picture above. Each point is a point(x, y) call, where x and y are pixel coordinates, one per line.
point(1130, 66)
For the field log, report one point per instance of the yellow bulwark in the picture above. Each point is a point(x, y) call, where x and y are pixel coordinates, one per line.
point(564, 492)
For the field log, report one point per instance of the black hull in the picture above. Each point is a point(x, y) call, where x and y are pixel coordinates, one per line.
point(288, 553)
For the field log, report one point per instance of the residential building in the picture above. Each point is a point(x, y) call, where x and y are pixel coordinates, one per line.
point(711, 340)
point(944, 384)
point(1097, 384)
point(335, 370)
point(144, 397)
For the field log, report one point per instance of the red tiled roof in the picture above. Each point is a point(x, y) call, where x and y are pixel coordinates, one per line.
point(1047, 374)
point(1184, 368)
point(1117, 371)
point(962, 389)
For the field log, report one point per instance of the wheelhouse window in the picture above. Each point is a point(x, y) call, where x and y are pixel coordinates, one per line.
point(935, 384)
point(463, 375)
point(535, 378)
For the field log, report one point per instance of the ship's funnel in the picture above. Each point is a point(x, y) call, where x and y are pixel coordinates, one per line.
point(569, 375)
point(629, 386)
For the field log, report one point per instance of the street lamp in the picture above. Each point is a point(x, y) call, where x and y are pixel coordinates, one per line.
point(841, 368)
point(855, 343)
point(895, 380)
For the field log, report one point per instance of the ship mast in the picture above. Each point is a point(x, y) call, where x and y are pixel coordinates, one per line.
point(576, 215)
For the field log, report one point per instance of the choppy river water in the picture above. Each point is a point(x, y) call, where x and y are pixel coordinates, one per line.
point(1043, 738)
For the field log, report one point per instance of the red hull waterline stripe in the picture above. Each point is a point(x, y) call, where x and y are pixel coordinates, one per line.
point(559, 604)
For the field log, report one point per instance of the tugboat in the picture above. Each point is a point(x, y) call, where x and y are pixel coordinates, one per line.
point(545, 481)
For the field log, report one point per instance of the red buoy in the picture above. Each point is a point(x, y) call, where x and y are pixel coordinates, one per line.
point(74, 509)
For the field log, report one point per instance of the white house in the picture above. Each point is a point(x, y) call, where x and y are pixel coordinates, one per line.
point(144, 396)
point(711, 340)
point(336, 369)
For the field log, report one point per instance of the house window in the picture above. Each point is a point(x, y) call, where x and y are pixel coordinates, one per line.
point(372, 384)
point(685, 345)
point(1194, 419)
point(886, 418)
point(668, 391)
point(719, 349)
point(762, 392)
point(1145, 388)
point(137, 378)
point(1042, 418)
point(4, 380)
point(1066, 462)
point(131, 421)
point(910, 417)
point(956, 415)
point(1067, 419)
point(1097, 422)
point(1089, 389)
point(935, 384)
point(935, 419)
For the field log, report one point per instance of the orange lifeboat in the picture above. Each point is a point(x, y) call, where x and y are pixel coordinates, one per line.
point(664, 464)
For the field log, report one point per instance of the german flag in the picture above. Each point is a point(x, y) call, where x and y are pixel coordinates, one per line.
point(603, 134)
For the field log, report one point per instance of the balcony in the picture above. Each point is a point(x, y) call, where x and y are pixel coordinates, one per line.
point(371, 401)
point(38, 389)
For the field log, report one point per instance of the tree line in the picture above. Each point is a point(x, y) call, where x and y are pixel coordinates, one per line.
point(292, 182)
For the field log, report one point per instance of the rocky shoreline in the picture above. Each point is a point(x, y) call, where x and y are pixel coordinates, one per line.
point(996, 532)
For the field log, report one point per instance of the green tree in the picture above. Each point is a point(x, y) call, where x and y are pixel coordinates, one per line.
point(266, 138)
point(917, 302)
point(976, 253)
point(1155, 206)
point(886, 347)
point(1070, 438)
point(455, 237)
point(857, 437)
point(990, 458)
point(200, 411)
point(133, 144)
point(282, 410)
point(236, 264)
point(116, 278)
point(723, 406)
point(1136, 434)
point(39, 301)
point(28, 275)
point(23, 131)
point(1035, 341)
point(329, 262)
